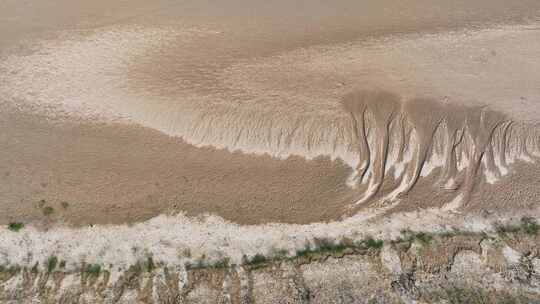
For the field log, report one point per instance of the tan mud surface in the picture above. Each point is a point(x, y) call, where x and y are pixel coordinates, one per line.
point(125, 174)
point(252, 77)
point(518, 191)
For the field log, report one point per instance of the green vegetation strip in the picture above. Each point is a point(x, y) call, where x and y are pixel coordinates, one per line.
point(16, 226)
point(93, 270)
point(51, 263)
point(527, 225)
point(319, 247)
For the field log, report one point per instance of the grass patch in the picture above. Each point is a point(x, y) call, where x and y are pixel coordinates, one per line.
point(530, 226)
point(222, 263)
point(93, 269)
point(52, 262)
point(201, 263)
point(371, 243)
point(15, 226)
point(327, 245)
point(407, 235)
point(136, 268)
point(279, 254)
point(35, 268)
point(422, 237)
point(149, 264)
point(452, 233)
point(526, 225)
point(257, 259)
point(503, 230)
point(304, 251)
point(12, 270)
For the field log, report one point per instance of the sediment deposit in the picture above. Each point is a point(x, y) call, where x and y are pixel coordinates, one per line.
point(187, 151)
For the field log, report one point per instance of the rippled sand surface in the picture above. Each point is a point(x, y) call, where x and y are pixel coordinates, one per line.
point(129, 109)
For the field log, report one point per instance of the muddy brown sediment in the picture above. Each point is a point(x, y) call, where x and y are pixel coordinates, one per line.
point(444, 135)
point(149, 173)
point(125, 174)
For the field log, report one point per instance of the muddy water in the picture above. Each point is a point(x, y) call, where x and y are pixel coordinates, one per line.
point(250, 76)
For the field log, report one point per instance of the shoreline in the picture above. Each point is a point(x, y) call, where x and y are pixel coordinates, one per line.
point(413, 267)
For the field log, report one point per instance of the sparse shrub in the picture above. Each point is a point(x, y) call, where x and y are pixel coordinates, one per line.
point(51, 263)
point(222, 263)
point(149, 265)
point(47, 211)
point(323, 244)
point(527, 225)
point(327, 245)
point(64, 204)
point(186, 252)
point(406, 235)
point(11, 269)
point(136, 268)
point(93, 269)
point(279, 254)
point(373, 243)
point(62, 264)
point(423, 237)
point(16, 226)
point(452, 233)
point(304, 251)
point(35, 268)
point(201, 263)
point(258, 259)
point(505, 229)
point(530, 226)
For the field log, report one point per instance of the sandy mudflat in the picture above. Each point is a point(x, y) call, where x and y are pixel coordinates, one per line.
point(116, 173)
point(116, 108)
point(125, 174)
